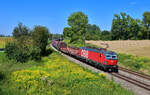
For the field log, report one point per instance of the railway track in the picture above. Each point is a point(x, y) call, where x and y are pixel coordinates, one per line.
point(135, 73)
point(131, 80)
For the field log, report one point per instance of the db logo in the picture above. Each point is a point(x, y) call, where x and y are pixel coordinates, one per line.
point(84, 53)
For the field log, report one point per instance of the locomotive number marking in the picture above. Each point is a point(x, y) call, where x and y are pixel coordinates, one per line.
point(84, 53)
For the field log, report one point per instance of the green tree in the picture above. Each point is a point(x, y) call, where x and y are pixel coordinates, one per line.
point(57, 36)
point(116, 27)
point(40, 36)
point(134, 28)
point(67, 32)
point(105, 35)
point(20, 30)
point(78, 22)
point(124, 27)
point(93, 32)
point(146, 21)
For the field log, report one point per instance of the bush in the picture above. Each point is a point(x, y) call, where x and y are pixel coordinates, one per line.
point(22, 52)
point(40, 36)
point(27, 45)
point(10, 50)
point(20, 30)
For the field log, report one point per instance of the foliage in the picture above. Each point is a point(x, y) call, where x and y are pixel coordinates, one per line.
point(6, 69)
point(28, 45)
point(105, 35)
point(77, 29)
point(20, 30)
point(57, 36)
point(125, 27)
point(146, 22)
point(40, 36)
point(146, 19)
point(67, 32)
point(59, 77)
point(50, 36)
point(79, 44)
point(93, 32)
point(22, 52)
point(141, 64)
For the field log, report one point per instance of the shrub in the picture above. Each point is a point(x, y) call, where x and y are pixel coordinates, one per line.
point(20, 30)
point(35, 53)
point(22, 52)
point(40, 36)
point(10, 50)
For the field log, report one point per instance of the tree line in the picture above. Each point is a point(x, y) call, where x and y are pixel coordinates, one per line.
point(124, 27)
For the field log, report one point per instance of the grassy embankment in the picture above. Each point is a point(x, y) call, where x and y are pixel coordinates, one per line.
point(140, 64)
point(54, 75)
point(4, 40)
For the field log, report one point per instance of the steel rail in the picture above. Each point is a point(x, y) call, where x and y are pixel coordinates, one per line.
point(135, 73)
point(133, 81)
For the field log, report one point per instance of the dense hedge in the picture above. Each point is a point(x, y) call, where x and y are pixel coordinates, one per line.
point(22, 53)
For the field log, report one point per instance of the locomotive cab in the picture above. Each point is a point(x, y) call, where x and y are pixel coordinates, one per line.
point(111, 61)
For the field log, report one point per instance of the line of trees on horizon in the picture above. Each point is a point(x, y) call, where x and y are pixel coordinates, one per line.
point(124, 27)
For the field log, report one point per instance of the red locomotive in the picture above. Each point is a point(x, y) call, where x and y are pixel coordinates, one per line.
point(98, 57)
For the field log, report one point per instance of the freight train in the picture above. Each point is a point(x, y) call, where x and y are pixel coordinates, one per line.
point(99, 57)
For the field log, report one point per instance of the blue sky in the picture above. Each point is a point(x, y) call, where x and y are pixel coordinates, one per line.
point(54, 13)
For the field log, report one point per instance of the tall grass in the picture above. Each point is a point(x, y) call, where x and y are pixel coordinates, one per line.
point(141, 64)
point(4, 40)
point(7, 67)
point(59, 76)
point(54, 75)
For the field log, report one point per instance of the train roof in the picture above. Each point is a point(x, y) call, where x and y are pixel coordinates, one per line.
point(99, 50)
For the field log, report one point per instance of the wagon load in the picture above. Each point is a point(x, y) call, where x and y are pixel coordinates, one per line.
point(73, 50)
point(63, 47)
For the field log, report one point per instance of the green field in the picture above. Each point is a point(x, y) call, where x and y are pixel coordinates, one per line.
point(140, 64)
point(4, 40)
point(54, 75)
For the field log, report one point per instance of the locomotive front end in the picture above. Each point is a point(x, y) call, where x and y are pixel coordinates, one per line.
point(111, 61)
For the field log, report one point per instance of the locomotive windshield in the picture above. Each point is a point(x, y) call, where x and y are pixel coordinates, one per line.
point(111, 55)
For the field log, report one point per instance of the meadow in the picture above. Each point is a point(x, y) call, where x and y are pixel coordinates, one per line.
point(53, 75)
point(4, 40)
